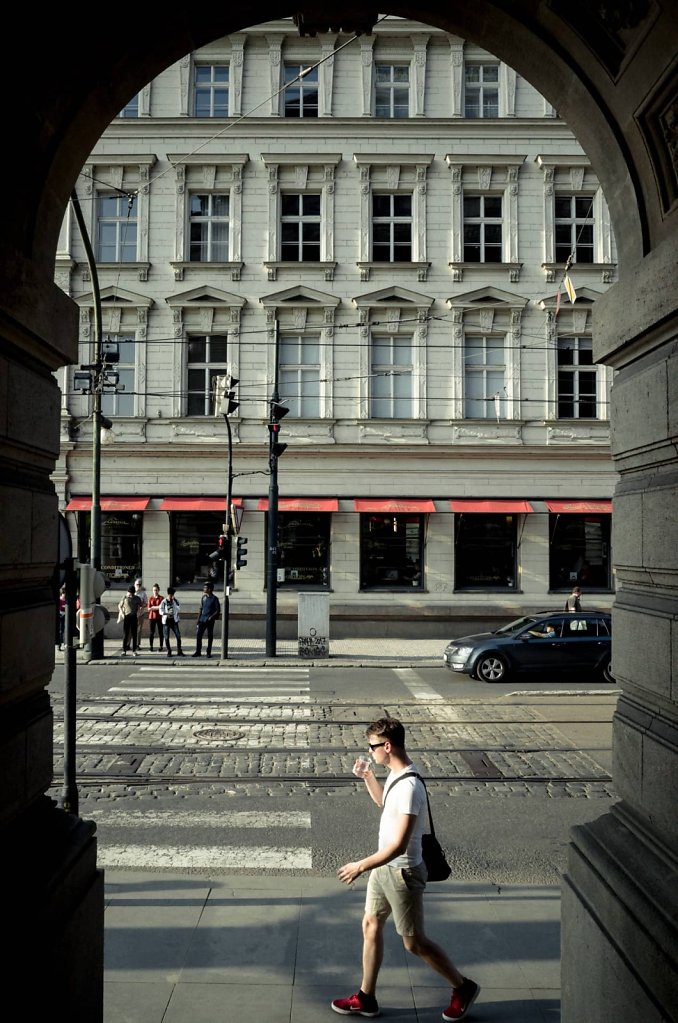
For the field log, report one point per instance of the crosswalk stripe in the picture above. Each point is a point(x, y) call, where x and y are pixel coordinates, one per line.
point(411, 680)
point(208, 857)
point(294, 694)
point(217, 818)
point(244, 670)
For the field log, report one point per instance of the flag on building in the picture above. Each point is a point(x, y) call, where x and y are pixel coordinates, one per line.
point(569, 288)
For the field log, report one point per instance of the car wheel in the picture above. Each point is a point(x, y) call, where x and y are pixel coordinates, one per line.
point(491, 668)
point(607, 672)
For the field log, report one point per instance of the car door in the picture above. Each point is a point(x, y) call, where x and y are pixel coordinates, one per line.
point(536, 648)
point(582, 647)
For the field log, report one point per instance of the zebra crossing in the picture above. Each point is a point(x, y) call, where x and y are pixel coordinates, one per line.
point(156, 854)
point(239, 684)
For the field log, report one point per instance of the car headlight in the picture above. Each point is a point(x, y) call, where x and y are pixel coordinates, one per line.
point(459, 652)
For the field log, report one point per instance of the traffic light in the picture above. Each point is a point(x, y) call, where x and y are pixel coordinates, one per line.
point(241, 551)
point(91, 616)
point(278, 411)
point(221, 553)
point(224, 394)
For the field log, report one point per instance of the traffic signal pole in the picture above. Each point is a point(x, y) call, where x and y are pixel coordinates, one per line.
point(275, 449)
point(228, 530)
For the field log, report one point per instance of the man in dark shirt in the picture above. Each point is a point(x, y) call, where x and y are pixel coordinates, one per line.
point(210, 609)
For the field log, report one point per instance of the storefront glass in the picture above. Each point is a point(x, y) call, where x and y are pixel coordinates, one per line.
point(485, 552)
point(303, 550)
point(391, 551)
point(120, 545)
point(579, 551)
point(194, 536)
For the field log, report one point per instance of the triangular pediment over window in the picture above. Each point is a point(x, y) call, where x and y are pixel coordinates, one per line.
point(205, 295)
point(488, 296)
point(299, 295)
point(393, 295)
point(114, 295)
point(584, 297)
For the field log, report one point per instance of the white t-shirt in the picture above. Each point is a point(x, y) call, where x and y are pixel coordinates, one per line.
point(408, 797)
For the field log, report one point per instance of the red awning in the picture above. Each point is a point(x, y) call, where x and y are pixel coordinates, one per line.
point(302, 504)
point(580, 507)
point(108, 504)
point(492, 507)
point(393, 507)
point(198, 503)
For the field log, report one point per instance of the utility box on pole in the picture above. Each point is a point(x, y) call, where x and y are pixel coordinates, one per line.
point(313, 625)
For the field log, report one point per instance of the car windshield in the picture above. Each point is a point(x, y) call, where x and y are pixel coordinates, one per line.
point(520, 623)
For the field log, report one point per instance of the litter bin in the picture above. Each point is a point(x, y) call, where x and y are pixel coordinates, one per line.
point(313, 625)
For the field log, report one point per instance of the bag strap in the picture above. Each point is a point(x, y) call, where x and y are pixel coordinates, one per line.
point(413, 774)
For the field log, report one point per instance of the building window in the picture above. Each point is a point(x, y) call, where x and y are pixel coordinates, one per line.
point(299, 375)
point(579, 551)
point(122, 401)
point(120, 545)
point(391, 228)
point(209, 228)
point(193, 537)
point(210, 90)
point(392, 90)
point(391, 378)
point(483, 220)
point(577, 379)
point(485, 552)
point(485, 394)
point(132, 108)
point(301, 99)
point(206, 360)
point(573, 228)
point(391, 551)
point(116, 229)
point(481, 90)
point(304, 550)
point(300, 227)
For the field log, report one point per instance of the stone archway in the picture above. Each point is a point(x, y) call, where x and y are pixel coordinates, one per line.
point(612, 73)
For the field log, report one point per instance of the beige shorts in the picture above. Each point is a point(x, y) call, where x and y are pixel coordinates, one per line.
point(399, 891)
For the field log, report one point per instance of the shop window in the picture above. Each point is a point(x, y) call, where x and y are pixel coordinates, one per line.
point(579, 551)
point(391, 551)
point(194, 537)
point(304, 550)
point(485, 552)
point(120, 545)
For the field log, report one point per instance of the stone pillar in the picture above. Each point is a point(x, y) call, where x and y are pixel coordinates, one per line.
point(620, 893)
point(52, 897)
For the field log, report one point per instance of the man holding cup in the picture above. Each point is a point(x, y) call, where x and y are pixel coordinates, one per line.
point(398, 876)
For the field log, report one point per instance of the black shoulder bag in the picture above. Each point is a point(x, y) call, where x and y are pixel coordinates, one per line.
point(437, 867)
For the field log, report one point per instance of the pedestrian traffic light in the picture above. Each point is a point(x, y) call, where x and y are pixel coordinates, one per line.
point(221, 553)
point(241, 551)
point(91, 615)
point(275, 446)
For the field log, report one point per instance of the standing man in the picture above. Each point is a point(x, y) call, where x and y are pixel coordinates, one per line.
point(210, 609)
point(143, 597)
point(129, 608)
point(398, 876)
point(170, 609)
point(573, 602)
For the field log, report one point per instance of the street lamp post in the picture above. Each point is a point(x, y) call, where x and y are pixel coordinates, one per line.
point(96, 644)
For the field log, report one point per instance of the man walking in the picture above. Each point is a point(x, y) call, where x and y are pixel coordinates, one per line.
point(573, 602)
point(210, 609)
point(398, 876)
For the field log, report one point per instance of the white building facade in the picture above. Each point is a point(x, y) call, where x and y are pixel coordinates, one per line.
point(387, 236)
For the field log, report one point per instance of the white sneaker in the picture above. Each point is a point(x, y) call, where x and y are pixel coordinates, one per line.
point(136, 653)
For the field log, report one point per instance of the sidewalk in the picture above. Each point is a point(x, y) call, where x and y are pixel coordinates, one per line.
point(194, 949)
point(364, 651)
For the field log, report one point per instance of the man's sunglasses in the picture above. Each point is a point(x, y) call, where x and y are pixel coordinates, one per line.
point(375, 745)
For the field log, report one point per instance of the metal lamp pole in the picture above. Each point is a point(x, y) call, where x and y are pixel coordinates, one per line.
point(96, 644)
